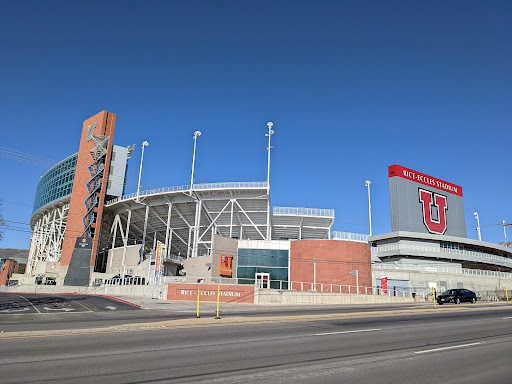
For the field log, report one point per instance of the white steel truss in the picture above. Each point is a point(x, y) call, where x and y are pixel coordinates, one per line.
point(186, 222)
point(47, 236)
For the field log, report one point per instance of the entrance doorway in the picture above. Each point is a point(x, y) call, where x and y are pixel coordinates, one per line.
point(263, 280)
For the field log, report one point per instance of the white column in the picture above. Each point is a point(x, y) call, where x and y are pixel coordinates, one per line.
point(231, 222)
point(144, 234)
point(126, 240)
point(167, 245)
point(197, 224)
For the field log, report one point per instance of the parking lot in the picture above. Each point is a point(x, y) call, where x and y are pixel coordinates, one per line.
point(30, 303)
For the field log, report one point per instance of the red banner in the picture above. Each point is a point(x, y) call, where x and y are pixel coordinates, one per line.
point(384, 285)
point(225, 263)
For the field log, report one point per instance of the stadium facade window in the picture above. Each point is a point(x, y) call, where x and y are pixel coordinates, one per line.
point(271, 261)
point(56, 183)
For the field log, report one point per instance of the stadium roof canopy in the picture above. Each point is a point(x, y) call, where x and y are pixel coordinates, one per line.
point(187, 219)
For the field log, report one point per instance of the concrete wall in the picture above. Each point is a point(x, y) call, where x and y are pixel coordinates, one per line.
point(272, 296)
point(115, 259)
point(154, 291)
point(224, 246)
point(198, 268)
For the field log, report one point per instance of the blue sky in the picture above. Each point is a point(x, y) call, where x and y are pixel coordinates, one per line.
point(352, 87)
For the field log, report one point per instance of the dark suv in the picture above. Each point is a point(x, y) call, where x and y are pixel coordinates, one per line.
point(456, 296)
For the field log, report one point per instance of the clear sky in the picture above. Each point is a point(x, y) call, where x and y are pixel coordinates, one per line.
point(352, 87)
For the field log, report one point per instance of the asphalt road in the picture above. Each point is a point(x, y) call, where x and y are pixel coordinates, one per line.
point(39, 312)
point(445, 347)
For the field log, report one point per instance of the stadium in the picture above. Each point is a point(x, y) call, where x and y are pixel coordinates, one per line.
point(88, 232)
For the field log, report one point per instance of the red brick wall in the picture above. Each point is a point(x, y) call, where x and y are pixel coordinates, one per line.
point(105, 126)
point(208, 292)
point(335, 260)
point(8, 269)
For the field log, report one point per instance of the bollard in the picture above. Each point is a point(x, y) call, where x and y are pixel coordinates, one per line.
point(197, 303)
point(506, 293)
point(218, 300)
point(434, 296)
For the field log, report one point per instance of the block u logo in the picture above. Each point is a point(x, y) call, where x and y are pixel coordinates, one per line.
point(427, 200)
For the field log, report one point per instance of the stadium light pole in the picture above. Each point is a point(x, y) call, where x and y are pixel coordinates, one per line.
point(367, 184)
point(196, 135)
point(144, 145)
point(269, 134)
point(478, 226)
point(504, 231)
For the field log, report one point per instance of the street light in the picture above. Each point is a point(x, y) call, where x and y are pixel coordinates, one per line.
point(478, 226)
point(144, 145)
point(367, 184)
point(196, 135)
point(504, 231)
point(269, 134)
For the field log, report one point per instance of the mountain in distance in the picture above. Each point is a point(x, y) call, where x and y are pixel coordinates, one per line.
point(19, 255)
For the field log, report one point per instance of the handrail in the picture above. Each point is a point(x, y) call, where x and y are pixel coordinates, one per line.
point(302, 211)
point(186, 188)
point(348, 236)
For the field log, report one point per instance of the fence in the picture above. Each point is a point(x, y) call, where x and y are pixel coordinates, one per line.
point(180, 188)
point(359, 237)
point(306, 286)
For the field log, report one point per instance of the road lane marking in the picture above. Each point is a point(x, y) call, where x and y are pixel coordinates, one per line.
point(59, 309)
point(82, 305)
point(506, 318)
point(338, 333)
point(38, 311)
point(445, 348)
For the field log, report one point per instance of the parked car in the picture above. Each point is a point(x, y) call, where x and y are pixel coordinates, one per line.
point(456, 296)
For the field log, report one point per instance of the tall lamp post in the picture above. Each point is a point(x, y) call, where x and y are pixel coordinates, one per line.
point(269, 134)
point(504, 231)
point(144, 145)
point(196, 135)
point(478, 226)
point(367, 184)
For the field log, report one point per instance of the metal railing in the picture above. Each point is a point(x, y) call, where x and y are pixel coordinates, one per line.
point(359, 237)
point(305, 286)
point(425, 248)
point(440, 269)
point(186, 188)
point(302, 211)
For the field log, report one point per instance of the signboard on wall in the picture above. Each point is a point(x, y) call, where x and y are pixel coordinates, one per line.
point(225, 264)
point(425, 204)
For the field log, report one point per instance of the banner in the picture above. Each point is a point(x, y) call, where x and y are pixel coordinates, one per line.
point(158, 262)
point(384, 285)
point(225, 263)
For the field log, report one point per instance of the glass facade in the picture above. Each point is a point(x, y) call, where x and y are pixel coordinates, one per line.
point(56, 183)
point(272, 261)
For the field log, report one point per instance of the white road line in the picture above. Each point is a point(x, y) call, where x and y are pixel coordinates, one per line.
point(445, 348)
point(30, 303)
point(506, 318)
point(337, 333)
